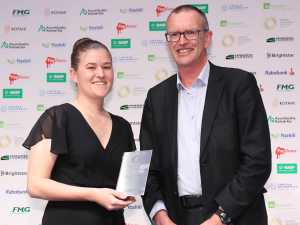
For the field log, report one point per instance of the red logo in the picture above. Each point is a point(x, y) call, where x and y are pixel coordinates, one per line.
point(51, 60)
point(279, 151)
point(291, 73)
point(161, 9)
point(123, 26)
point(14, 77)
point(260, 88)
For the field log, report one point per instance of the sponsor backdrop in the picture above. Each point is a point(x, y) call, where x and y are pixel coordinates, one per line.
point(36, 42)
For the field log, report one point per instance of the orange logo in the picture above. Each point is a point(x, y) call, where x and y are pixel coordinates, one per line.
point(291, 73)
point(14, 77)
point(161, 9)
point(260, 89)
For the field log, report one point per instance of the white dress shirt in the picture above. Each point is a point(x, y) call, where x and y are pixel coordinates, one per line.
point(190, 110)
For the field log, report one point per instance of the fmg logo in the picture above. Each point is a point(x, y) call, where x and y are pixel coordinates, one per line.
point(287, 87)
point(21, 210)
point(18, 12)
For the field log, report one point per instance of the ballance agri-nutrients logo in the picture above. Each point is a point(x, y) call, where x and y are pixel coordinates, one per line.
point(19, 61)
point(92, 12)
point(54, 45)
point(92, 28)
point(13, 77)
point(280, 151)
point(123, 91)
point(160, 9)
point(287, 168)
point(276, 103)
point(280, 72)
point(239, 56)
point(51, 29)
point(56, 77)
point(130, 76)
point(120, 43)
point(157, 26)
point(51, 60)
point(8, 28)
point(15, 157)
point(131, 10)
point(280, 39)
point(5, 141)
point(48, 12)
point(225, 23)
point(123, 26)
point(284, 135)
point(12, 93)
point(131, 107)
point(279, 55)
point(283, 186)
point(14, 45)
point(281, 119)
point(276, 7)
point(22, 12)
point(287, 87)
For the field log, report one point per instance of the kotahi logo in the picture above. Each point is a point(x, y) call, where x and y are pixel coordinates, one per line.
point(14, 77)
point(51, 60)
point(123, 26)
point(160, 9)
point(280, 151)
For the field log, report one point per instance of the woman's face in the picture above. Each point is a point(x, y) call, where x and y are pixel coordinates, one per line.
point(94, 76)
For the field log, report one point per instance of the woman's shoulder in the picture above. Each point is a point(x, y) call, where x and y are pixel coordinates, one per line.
point(120, 119)
point(57, 110)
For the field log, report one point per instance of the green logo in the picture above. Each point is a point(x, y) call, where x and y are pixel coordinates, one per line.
point(223, 23)
point(271, 204)
point(1, 124)
point(56, 77)
point(271, 40)
point(84, 28)
point(124, 107)
point(40, 107)
point(5, 45)
point(275, 136)
point(11, 61)
point(202, 7)
point(12, 93)
point(230, 57)
point(123, 11)
point(287, 168)
point(157, 26)
point(151, 57)
point(120, 43)
point(267, 6)
point(46, 45)
point(83, 11)
point(6, 157)
point(271, 119)
point(42, 28)
point(120, 75)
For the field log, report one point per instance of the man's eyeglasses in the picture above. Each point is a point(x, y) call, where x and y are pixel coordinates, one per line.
point(189, 35)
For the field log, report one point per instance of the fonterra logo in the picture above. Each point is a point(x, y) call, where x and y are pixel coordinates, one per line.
point(280, 151)
point(14, 77)
point(21, 210)
point(160, 9)
point(23, 12)
point(287, 168)
point(12, 93)
point(51, 60)
point(157, 26)
point(56, 77)
point(202, 7)
point(123, 26)
point(120, 43)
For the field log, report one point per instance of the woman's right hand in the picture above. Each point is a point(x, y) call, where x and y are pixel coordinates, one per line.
point(108, 198)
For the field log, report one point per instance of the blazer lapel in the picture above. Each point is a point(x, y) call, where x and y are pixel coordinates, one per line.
point(213, 94)
point(171, 95)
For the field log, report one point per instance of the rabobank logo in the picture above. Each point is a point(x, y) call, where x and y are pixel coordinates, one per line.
point(16, 192)
point(279, 72)
point(120, 43)
point(157, 26)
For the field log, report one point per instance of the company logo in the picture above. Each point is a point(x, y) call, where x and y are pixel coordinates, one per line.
point(12, 173)
point(42, 108)
point(279, 151)
point(234, 8)
point(134, 207)
point(228, 40)
point(130, 10)
point(202, 7)
point(284, 135)
point(144, 42)
point(152, 58)
point(276, 103)
point(281, 119)
point(260, 88)
point(12, 93)
point(123, 91)
point(122, 75)
point(13, 108)
point(14, 157)
point(52, 29)
point(287, 168)
point(272, 205)
point(283, 186)
point(270, 23)
point(8, 28)
point(92, 28)
point(23, 12)
point(5, 141)
point(225, 23)
point(3, 108)
point(120, 43)
point(123, 26)
point(13, 126)
point(93, 12)
point(276, 7)
point(52, 93)
point(54, 45)
point(21, 210)
point(19, 61)
point(154, 42)
point(157, 26)
point(279, 72)
point(51, 60)
point(14, 45)
point(48, 12)
point(239, 56)
point(127, 59)
point(161, 75)
point(18, 192)
point(280, 39)
point(130, 107)
point(279, 55)
point(56, 77)
point(160, 9)
point(287, 87)
point(13, 77)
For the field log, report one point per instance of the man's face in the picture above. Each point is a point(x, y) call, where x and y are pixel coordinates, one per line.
point(188, 52)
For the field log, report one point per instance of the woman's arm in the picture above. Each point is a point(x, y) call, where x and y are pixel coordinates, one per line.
point(40, 185)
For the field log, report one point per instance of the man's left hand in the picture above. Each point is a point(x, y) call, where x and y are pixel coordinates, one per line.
point(214, 220)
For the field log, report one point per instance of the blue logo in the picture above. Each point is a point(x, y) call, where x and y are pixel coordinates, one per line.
point(114, 59)
point(224, 8)
point(42, 93)
point(284, 186)
point(52, 93)
point(273, 186)
point(157, 42)
point(58, 45)
point(132, 207)
point(127, 59)
point(95, 28)
point(14, 108)
point(3, 108)
point(144, 42)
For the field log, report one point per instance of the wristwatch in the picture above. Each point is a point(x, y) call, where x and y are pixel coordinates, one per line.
point(223, 216)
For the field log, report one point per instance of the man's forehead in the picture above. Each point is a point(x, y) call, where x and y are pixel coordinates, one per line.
point(187, 19)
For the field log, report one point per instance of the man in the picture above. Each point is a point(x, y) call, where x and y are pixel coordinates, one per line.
point(209, 133)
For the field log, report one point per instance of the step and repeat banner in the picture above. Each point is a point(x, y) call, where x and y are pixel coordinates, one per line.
point(36, 40)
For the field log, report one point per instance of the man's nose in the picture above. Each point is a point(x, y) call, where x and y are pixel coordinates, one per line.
point(182, 39)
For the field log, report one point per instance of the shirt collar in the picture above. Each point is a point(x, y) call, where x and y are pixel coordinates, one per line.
point(203, 76)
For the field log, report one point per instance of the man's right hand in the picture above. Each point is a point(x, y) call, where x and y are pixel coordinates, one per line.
point(162, 218)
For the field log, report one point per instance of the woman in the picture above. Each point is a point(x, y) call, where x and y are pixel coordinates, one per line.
point(76, 148)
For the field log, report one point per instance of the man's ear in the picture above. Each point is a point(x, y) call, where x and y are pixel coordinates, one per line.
point(208, 36)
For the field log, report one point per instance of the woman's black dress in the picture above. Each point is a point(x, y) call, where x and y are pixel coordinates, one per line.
point(82, 161)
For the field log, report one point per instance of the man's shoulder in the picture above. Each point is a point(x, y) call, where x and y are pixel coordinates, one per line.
point(229, 72)
point(167, 83)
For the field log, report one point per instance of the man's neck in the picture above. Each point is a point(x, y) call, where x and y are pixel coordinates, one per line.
point(189, 74)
